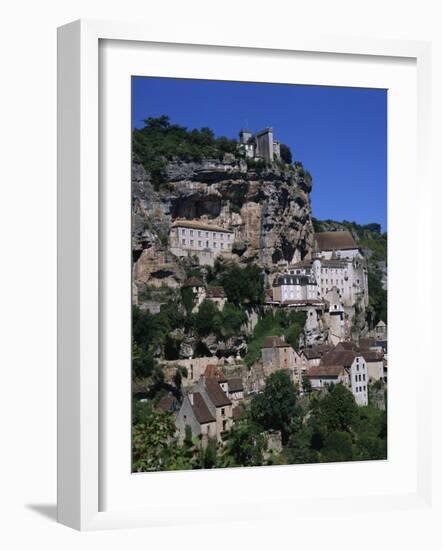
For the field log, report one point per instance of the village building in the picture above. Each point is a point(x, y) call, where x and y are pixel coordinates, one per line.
point(336, 263)
point(321, 377)
point(312, 356)
point(201, 239)
point(276, 354)
point(260, 145)
point(207, 411)
point(342, 365)
point(380, 331)
point(235, 390)
point(195, 413)
point(215, 294)
point(375, 365)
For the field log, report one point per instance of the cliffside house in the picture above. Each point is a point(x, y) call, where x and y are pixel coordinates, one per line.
point(276, 354)
point(201, 239)
point(260, 145)
point(215, 294)
point(341, 365)
point(380, 331)
point(337, 263)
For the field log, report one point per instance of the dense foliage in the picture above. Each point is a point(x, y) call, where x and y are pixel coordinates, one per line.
point(282, 322)
point(159, 141)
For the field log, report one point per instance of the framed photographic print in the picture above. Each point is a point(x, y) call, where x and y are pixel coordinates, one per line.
point(232, 233)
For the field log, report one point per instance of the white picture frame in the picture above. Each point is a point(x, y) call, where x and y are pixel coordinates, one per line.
point(80, 437)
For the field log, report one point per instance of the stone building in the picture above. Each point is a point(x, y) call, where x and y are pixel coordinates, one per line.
point(342, 365)
point(276, 354)
point(260, 145)
point(200, 239)
point(337, 263)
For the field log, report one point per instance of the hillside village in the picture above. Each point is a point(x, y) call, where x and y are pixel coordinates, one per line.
point(259, 337)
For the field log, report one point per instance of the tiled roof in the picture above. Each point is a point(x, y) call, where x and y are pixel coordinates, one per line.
point(235, 385)
point(366, 343)
point(323, 372)
point(216, 394)
point(372, 356)
point(346, 346)
point(195, 224)
point(335, 240)
point(338, 357)
point(215, 292)
point(274, 342)
point(202, 413)
point(316, 352)
point(193, 281)
point(212, 371)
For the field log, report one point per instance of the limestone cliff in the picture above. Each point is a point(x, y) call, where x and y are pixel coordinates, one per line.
point(268, 207)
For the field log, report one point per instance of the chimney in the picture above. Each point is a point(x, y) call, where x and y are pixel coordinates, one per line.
point(191, 398)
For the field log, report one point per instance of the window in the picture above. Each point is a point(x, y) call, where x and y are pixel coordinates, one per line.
point(222, 245)
point(199, 235)
point(363, 377)
point(207, 233)
point(183, 231)
point(191, 242)
point(214, 245)
point(184, 241)
point(224, 425)
point(191, 232)
point(228, 237)
point(223, 412)
point(207, 244)
point(199, 243)
point(222, 235)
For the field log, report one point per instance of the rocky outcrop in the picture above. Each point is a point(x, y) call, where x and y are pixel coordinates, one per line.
point(267, 207)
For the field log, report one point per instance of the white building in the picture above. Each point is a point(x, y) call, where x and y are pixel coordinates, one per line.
point(336, 263)
point(201, 239)
point(342, 365)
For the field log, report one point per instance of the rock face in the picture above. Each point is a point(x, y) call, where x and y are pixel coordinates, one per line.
point(268, 208)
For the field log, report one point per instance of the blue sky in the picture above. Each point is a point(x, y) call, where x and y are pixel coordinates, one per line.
point(339, 134)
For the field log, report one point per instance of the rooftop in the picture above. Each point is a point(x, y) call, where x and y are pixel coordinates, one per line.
point(338, 357)
point(335, 240)
point(216, 394)
point(193, 281)
point(196, 224)
point(215, 292)
point(212, 371)
point(274, 342)
point(202, 413)
point(316, 352)
point(333, 371)
point(235, 384)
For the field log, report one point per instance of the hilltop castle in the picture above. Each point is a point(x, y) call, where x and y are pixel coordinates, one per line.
point(260, 145)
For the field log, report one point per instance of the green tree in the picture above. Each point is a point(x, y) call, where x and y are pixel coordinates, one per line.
point(208, 319)
point(286, 153)
point(154, 446)
point(338, 410)
point(276, 407)
point(246, 444)
point(337, 447)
